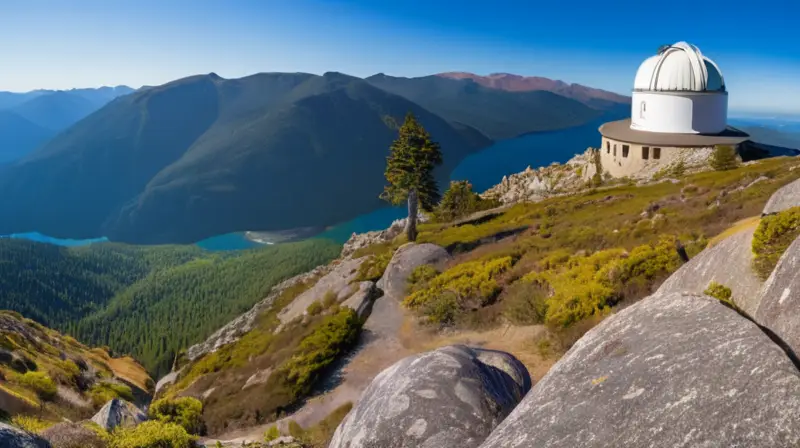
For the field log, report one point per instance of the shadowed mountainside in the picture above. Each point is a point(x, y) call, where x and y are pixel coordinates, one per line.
point(203, 156)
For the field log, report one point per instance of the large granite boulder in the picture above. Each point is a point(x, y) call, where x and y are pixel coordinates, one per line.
point(674, 370)
point(779, 309)
point(786, 197)
point(11, 437)
point(118, 413)
point(451, 397)
point(405, 259)
point(728, 263)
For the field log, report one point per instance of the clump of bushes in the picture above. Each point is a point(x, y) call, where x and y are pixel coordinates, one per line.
point(459, 200)
point(40, 383)
point(466, 286)
point(771, 239)
point(420, 276)
point(184, 411)
point(152, 434)
point(525, 303)
point(272, 434)
point(718, 291)
point(723, 158)
point(336, 334)
point(31, 424)
point(102, 392)
point(372, 269)
point(585, 285)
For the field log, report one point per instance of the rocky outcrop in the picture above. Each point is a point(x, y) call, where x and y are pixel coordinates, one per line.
point(362, 240)
point(779, 309)
point(118, 413)
point(448, 398)
point(406, 258)
point(234, 329)
point(786, 197)
point(361, 300)
point(338, 280)
point(728, 263)
point(672, 370)
point(538, 184)
point(11, 437)
point(166, 380)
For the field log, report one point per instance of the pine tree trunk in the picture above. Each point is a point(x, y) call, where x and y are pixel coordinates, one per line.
point(411, 224)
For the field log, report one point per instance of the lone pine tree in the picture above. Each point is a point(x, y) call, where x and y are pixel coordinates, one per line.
point(409, 171)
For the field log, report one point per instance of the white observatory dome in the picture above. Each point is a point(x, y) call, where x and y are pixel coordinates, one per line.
point(679, 91)
point(679, 67)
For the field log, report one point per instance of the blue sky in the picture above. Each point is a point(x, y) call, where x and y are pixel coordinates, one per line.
point(87, 43)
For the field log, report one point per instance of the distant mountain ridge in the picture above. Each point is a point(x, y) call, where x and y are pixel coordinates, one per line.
point(203, 155)
point(27, 120)
point(517, 83)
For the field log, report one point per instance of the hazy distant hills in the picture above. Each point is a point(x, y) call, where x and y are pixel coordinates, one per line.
point(19, 136)
point(29, 119)
point(497, 113)
point(515, 83)
point(204, 155)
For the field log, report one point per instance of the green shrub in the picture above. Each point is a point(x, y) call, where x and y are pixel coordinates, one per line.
point(40, 383)
point(102, 392)
point(329, 299)
point(718, 291)
point(771, 239)
point(585, 285)
point(421, 275)
point(152, 434)
point(372, 269)
point(295, 430)
point(31, 424)
point(467, 285)
point(272, 434)
point(724, 158)
point(336, 334)
point(459, 200)
point(184, 411)
point(315, 308)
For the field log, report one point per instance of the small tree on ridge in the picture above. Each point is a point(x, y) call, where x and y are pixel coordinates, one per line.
point(409, 172)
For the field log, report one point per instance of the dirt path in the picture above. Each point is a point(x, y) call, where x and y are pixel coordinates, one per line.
point(388, 336)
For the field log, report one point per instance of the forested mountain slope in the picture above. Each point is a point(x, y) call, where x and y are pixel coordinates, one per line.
point(203, 156)
point(497, 113)
point(146, 301)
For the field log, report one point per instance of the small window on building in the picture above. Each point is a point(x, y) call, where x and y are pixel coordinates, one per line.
point(645, 152)
point(656, 153)
point(615, 149)
point(608, 147)
point(625, 149)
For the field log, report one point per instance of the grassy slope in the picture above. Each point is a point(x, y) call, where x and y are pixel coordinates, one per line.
point(555, 238)
point(149, 302)
point(45, 347)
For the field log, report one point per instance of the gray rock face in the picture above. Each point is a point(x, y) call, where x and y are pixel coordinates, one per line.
point(407, 258)
point(727, 263)
point(118, 413)
point(11, 437)
point(338, 281)
point(451, 397)
point(166, 380)
point(674, 370)
point(779, 309)
point(786, 197)
point(361, 300)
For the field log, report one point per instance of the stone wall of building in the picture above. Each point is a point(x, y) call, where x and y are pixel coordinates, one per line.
point(621, 159)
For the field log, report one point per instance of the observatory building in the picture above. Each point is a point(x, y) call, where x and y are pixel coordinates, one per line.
point(679, 110)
